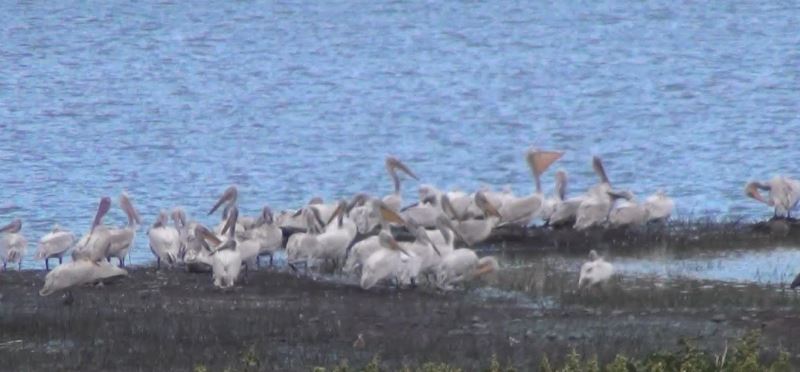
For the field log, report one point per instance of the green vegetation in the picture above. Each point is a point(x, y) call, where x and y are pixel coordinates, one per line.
point(744, 356)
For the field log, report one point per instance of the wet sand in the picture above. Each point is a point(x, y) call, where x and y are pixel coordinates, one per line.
point(173, 320)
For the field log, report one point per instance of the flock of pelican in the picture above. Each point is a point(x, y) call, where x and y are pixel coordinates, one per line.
point(360, 236)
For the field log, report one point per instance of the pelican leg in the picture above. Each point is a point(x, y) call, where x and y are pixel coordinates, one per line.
point(158, 263)
point(47, 264)
point(121, 262)
point(19, 266)
point(270, 260)
point(258, 261)
point(4, 265)
point(59, 259)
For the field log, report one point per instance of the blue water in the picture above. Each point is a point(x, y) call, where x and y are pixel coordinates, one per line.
point(173, 101)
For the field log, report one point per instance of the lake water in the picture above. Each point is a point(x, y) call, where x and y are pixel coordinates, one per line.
point(173, 101)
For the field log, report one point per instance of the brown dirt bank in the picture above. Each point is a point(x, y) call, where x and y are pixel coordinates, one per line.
point(176, 320)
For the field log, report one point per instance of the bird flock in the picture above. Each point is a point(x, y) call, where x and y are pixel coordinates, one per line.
point(374, 239)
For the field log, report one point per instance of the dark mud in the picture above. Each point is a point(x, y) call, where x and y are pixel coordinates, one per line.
point(159, 320)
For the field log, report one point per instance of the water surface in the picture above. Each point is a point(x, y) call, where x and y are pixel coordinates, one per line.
point(173, 101)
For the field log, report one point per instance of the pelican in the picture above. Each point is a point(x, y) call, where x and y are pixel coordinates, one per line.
point(54, 245)
point(12, 244)
point(230, 199)
point(596, 271)
point(565, 210)
point(461, 202)
point(302, 246)
point(121, 239)
point(78, 272)
point(395, 199)
point(360, 252)
point(165, 241)
point(659, 206)
point(461, 265)
point(268, 235)
point(784, 194)
point(520, 210)
point(628, 212)
point(425, 213)
point(94, 245)
point(389, 262)
point(445, 234)
point(332, 243)
point(425, 255)
point(474, 231)
point(594, 209)
point(226, 261)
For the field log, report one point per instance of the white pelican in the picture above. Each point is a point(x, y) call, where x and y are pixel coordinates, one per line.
point(78, 272)
point(230, 199)
point(361, 251)
point(462, 265)
point(121, 239)
point(424, 213)
point(54, 245)
point(520, 210)
point(549, 205)
point(594, 209)
point(302, 246)
point(565, 210)
point(424, 253)
point(226, 261)
point(12, 244)
point(387, 263)
point(474, 231)
point(336, 237)
point(268, 235)
point(596, 271)
point(395, 199)
point(445, 234)
point(659, 206)
point(628, 212)
point(94, 245)
point(784, 194)
point(165, 241)
point(461, 202)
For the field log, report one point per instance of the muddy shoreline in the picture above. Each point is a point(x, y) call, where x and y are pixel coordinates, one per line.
point(173, 320)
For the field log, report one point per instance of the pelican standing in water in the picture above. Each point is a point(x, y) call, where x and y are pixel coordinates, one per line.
point(78, 272)
point(520, 210)
point(165, 241)
point(462, 265)
point(784, 194)
point(121, 239)
point(597, 271)
point(12, 244)
point(395, 199)
point(54, 245)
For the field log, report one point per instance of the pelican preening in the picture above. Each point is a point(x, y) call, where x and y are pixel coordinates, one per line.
point(12, 244)
point(784, 194)
point(103, 242)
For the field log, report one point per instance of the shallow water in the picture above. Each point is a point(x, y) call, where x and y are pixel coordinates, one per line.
point(761, 267)
point(172, 102)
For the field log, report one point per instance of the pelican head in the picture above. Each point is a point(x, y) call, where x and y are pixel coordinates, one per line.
point(229, 197)
point(162, 220)
point(593, 255)
point(597, 165)
point(387, 214)
point(426, 193)
point(179, 217)
point(485, 205)
point(338, 213)
point(266, 217)
point(316, 200)
point(623, 194)
point(447, 208)
point(392, 165)
point(13, 227)
point(127, 207)
point(102, 209)
point(359, 200)
point(230, 224)
point(539, 161)
point(207, 237)
point(751, 190)
point(421, 234)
